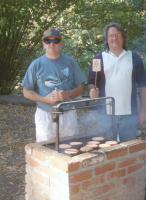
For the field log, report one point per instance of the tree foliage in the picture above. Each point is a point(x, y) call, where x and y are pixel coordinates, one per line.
point(21, 25)
point(81, 21)
point(84, 24)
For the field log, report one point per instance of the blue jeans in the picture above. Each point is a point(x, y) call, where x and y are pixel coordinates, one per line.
point(125, 127)
point(121, 128)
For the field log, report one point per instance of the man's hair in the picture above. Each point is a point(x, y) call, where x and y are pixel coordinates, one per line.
point(120, 29)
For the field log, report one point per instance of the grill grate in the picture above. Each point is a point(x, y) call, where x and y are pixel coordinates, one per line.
point(81, 104)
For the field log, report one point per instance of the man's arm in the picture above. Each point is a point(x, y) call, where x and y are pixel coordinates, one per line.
point(93, 91)
point(34, 96)
point(53, 97)
point(71, 94)
point(142, 114)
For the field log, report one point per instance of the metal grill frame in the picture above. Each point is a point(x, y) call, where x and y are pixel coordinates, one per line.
point(80, 104)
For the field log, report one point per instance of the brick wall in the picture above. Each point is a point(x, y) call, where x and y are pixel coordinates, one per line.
point(117, 172)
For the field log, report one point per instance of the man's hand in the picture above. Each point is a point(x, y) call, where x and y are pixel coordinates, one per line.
point(57, 96)
point(52, 98)
point(94, 93)
point(64, 95)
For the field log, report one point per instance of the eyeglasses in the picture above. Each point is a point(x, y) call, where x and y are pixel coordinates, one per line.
point(54, 41)
point(118, 35)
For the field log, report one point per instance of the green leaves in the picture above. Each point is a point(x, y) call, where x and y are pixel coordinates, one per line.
point(83, 25)
point(81, 21)
point(21, 25)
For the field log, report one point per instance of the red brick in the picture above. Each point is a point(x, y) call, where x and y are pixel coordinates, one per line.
point(142, 157)
point(108, 197)
point(105, 188)
point(115, 153)
point(127, 162)
point(137, 147)
point(74, 189)
point(81, 176)
point(131, 142)
point(119, 173)
point(30, 161)
point(129, 181)
point(105, 168)
point(135, 168)
point(73, 166)
point(93, 182)
point(94, 160)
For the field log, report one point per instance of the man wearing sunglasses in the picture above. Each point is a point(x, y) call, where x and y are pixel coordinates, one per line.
point(50, 79)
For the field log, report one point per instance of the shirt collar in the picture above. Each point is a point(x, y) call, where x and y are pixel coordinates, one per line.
point(121, 54)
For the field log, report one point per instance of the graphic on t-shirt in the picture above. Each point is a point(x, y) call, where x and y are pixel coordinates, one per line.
point(54, 82)
point(65, 72)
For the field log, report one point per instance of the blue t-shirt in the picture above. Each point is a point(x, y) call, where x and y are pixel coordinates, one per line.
point(44, 75)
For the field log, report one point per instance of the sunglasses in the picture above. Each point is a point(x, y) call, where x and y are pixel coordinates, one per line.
point(54, 41)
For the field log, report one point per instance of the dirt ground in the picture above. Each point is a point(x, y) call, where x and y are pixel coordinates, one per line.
point(16, 130)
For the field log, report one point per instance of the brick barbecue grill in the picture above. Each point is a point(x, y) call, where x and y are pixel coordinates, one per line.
point(86, 141)
point(108, 173)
